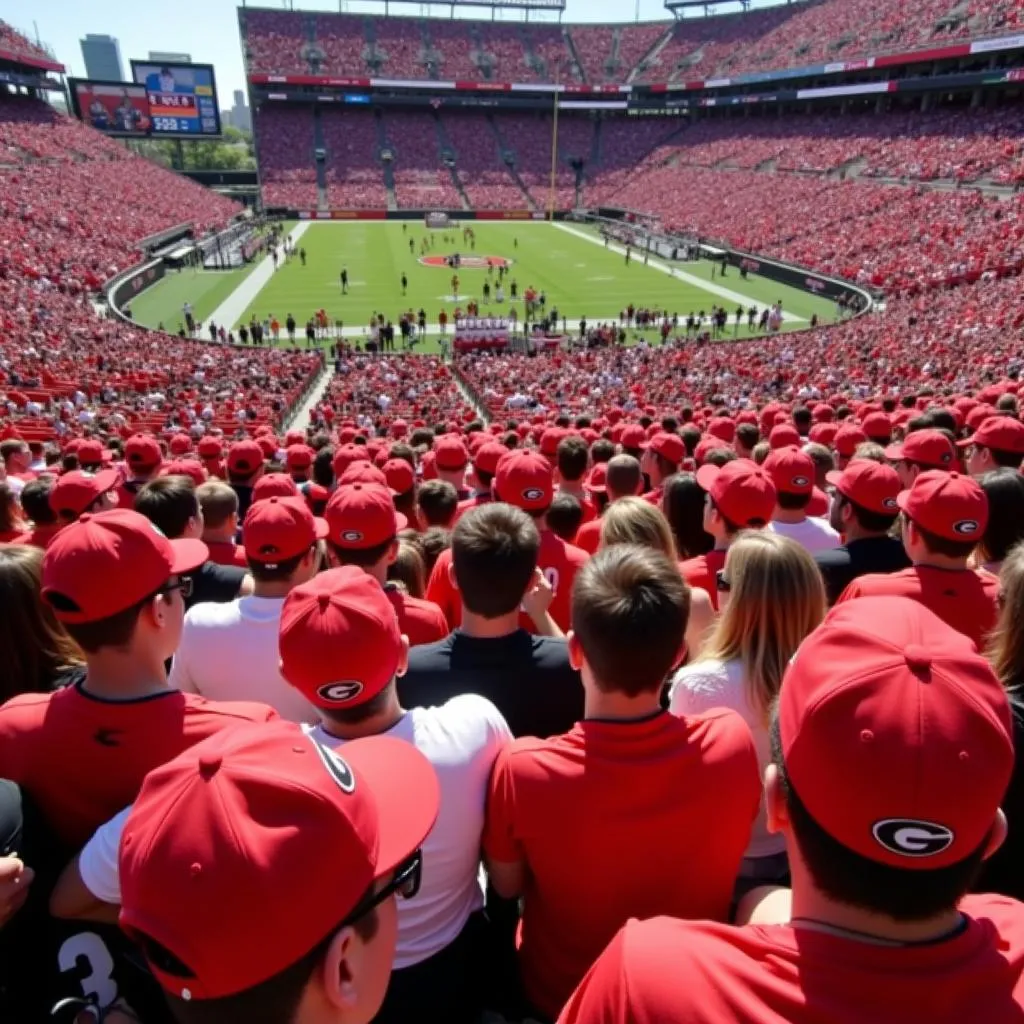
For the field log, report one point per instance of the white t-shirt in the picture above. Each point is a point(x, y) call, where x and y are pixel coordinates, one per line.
point(813, 534)
point(704, 685)
point(229, 652)
point(461, 739)
point(97, 863)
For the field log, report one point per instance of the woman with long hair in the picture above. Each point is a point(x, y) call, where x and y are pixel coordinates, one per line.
point(771, 596)
point(1002, 871)
point(682, 501)
point(635, 521)
point(1004, 489)
point(39, 656)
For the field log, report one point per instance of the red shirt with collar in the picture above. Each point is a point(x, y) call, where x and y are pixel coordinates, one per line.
point(617, 820)
point(705, 973)
point(962, 598)
point(40, 536)
point(83, 758)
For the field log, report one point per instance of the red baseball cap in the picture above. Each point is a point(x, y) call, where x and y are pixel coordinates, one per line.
point(340, 641)
point(105, 563)
point(550, 440)
point(668, 446)
point(724, 428)
point(488, 456)
point(180, 444)
point(210, 448)
point(92, 453)
point(346, 455)
point(525, 479)
point(896, 734)
point(298, 456)
point(791, 470)
point(947, 504)
point(185, 467)
point(633, 437)
point(823, 433)
point(450, 453)
point(868, 484)
point(276, 529)
point(785, 435)
point(1002, 433)
point(263, 808)
point(742, 491)
point(274, 485)
point(245, 458)
point(597, 479)
point(927, 447)
point(74, 492)
point(847, 439)
point(363, 473)
point(142, 452)
point(878, 426)
point(399, 476)
point(361, 516)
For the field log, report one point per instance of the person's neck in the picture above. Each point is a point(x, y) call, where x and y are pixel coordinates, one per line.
point(122, 675)
point(791, 516)
point(931, 560)
point(488, 629)
point(811, 908)
point(274, 591)
point(220, 536)
point(457, 480)
point(573, 487)
point(618, 707)
point(373, 726)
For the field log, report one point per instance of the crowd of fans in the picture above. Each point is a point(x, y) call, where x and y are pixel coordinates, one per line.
point(284, 139)
point(775, 38)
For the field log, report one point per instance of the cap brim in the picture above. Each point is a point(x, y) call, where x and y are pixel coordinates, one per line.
point(834, 477)
point(901, 500)
point(894, 452)
point(106, 480)
point(401, 522)
point(967, 443)
point(188, 555)
point(707, 475)
point(405, 790)
point(323, 531)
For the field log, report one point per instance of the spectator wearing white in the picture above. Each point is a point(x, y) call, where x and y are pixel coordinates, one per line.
point(229, 651)
point(793, 473)
point(342, 649)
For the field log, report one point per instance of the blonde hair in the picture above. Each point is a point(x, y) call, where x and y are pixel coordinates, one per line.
point(635, 521)
point(408, 569)
point(218, 501)
point(776, 597)
point(1005, 649)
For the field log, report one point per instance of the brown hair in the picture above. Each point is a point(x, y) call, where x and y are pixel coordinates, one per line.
point(630, 609)
point(10, 518)
point(36, 646)
point(1005, 649)
point(218, 502)
point(437, 501)
point(407, 569)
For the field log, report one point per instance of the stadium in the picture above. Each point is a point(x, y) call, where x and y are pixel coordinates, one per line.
point(533, 534)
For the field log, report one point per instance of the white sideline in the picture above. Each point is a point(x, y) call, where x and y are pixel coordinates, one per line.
point(682, 275)
point(230, 311)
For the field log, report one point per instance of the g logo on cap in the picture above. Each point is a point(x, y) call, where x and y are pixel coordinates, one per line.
point(341, 692)
point(966, 526)
point(337, 767)
point(891, 503)
point(800, 481)
point(352, 536)
point(910, 838)
point(533, 494)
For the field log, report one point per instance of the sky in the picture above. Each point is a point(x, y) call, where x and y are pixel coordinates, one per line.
point(208, 29)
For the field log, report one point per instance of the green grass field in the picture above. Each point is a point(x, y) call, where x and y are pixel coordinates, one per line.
point(579, 277)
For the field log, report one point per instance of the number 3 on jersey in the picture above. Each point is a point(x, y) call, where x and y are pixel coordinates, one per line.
point(99, 983)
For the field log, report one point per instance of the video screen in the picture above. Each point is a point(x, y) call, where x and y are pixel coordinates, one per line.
point(117, 108)
point(182, 98)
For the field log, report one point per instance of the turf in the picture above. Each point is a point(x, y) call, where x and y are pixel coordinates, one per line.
point(579, 277)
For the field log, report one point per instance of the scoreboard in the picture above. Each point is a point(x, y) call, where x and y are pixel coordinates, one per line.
point(182, 98)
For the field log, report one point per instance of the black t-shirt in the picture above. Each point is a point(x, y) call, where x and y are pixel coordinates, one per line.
point(841, 566)
point(218, 583)
point(244, 492)
point(1002, 872)
point(528, 678)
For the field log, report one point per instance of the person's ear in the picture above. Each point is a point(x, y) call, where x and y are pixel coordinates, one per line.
point(776, 811)
point(341, 969)
point(393, 552)
point(156, 609)
point(846, 513)
point(576, 658)
point(451, 576)
point(997, 836)
point(403, 658)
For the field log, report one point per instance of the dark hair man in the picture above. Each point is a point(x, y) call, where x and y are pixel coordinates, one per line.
point(623, 479)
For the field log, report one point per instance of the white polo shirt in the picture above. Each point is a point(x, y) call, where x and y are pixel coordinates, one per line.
point(813, 534)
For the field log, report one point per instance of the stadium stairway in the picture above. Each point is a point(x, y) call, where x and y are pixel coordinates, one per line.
point(650, 56)
point(320, 145)
point(507, 151)
point(570, 44)
point(386, 165)
point(595, 145)
point(449, 157)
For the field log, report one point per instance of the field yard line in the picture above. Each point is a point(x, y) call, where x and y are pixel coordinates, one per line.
point(682, 275)
point(230, 311)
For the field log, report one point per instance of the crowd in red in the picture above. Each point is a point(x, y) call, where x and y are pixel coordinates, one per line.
point(63, 368)
point(785, 36)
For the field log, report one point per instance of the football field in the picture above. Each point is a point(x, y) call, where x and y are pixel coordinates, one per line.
point(577, 273)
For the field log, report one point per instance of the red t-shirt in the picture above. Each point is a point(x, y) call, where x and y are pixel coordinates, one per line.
point(464, 506)
point(83, 759)
point(224, 552)
point(705, 973)
point(557, 560)
point(588, 537)
point(40, 537)
point(702, 572)
point(589, 508)
point(962, 598)
point(653, 497)
point(421, 621)
point(617, 820)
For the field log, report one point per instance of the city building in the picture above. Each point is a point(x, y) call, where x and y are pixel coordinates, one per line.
point(102, 56)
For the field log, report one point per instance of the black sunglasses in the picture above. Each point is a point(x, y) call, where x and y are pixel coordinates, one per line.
point(183, 585)
point(722, 582)
point(405, 881)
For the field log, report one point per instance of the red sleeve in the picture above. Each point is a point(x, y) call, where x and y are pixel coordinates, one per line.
point(602, 997)
point(441, 592)
point(499, 839)
point(852, 591)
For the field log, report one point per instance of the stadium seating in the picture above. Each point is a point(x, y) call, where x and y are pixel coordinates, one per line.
point(529, 136)
point(15, 43)
point(284, 139)
point(355, 177)
point(421, 181)
point(73, 204)
point(274, 42)
point(484, 178)
point(420, 391)
point(594, 45)
point(342, 40)
point(398, 47)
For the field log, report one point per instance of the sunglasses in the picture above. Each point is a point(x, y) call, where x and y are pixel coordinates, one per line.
point(183, 586)
point(722, 582)
point(405, 882)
